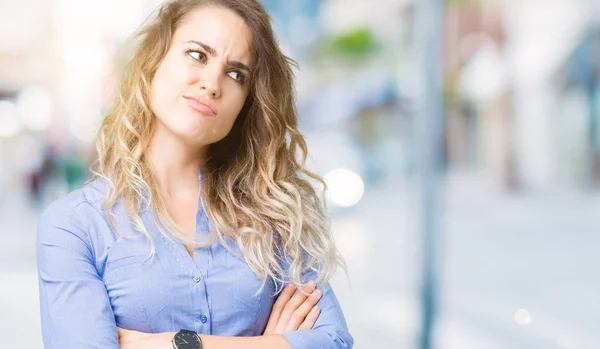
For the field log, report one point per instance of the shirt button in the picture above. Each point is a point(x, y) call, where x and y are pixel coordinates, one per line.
point(203, 319)
point(196, 279)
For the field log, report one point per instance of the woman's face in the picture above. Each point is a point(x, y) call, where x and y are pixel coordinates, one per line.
point(200, 86)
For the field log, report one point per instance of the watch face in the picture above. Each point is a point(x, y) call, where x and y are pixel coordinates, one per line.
point(187, 340)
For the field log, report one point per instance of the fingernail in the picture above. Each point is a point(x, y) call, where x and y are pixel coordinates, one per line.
point(315, 309)
point(316, 293)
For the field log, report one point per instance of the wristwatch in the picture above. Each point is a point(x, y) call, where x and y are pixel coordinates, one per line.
point(186, 339)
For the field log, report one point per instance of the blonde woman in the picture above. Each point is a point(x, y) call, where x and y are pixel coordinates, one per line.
point(200, 211)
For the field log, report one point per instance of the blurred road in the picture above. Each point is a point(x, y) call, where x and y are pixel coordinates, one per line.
point(501, 253)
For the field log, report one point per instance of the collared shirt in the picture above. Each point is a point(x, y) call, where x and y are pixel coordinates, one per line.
point(91, 281)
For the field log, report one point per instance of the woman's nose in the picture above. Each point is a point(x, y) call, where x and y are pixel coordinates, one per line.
point(210, 82)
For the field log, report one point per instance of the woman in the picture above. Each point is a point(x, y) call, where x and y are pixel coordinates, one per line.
point(199, 213)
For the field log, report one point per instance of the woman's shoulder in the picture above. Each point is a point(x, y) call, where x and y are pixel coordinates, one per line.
point(75, 222)
point(74, 206)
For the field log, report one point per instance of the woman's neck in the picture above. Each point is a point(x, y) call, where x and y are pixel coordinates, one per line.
point(175, 165)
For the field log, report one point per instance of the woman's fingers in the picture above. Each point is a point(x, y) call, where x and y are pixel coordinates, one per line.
point(311, 318)
point(284, 297)
point(294, 309)
point(300, 314)
point(292, 305)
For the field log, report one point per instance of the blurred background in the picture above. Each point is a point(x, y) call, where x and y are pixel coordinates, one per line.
point(515, 237)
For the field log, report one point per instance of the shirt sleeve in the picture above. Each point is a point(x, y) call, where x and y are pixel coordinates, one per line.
point(330, 330)
point(74, 305)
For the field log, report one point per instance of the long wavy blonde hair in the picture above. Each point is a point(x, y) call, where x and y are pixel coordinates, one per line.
point(256, 189)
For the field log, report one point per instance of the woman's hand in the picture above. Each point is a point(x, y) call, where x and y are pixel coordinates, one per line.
point(130, 339)
point(294, 311)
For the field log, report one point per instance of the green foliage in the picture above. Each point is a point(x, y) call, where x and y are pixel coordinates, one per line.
point(356, 41)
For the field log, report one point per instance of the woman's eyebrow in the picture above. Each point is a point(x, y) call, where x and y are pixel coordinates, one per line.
point(212, 52)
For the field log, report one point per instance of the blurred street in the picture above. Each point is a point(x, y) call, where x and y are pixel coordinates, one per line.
point(547, 245)
point(514, 131)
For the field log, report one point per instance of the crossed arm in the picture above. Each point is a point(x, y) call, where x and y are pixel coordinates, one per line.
point(292, 311)
point(68, 280)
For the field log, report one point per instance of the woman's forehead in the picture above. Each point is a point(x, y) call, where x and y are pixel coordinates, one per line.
point(221, 29)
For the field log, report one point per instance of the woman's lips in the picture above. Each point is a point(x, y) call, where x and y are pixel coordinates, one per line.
point(201, 105)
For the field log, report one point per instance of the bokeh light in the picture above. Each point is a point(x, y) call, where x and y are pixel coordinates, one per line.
point(345, 187)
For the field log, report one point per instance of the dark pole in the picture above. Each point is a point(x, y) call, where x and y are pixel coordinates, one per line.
point(429, 142)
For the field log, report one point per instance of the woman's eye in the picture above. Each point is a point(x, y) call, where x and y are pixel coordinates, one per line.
point(199, 56)
point(236, 75)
